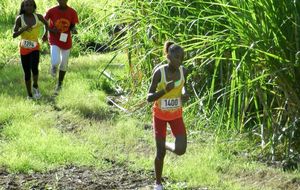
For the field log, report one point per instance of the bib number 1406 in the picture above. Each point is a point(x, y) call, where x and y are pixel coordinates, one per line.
point(171, 103)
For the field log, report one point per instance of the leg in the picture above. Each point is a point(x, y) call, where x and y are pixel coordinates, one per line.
point(27, 72)
point(61, 77)
point(55, 59)
point(159, 158)
point(159, 127)
point(35, 58)
point(28, 87)
point(178, 130)
point(63, 66)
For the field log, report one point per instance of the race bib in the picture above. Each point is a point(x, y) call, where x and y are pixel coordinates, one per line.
point(63, 37)
point(28, 44)
point(171, 103)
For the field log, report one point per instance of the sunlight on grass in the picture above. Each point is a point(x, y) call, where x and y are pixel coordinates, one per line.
point(123, 138)
point(76, 96)
point(203, 168)
point(31, 142)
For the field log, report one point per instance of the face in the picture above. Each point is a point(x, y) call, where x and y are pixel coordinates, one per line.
point(62, 3)
point(175, 58)
point(29, 6)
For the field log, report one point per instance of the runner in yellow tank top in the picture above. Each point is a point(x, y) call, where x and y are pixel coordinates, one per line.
point(169, 106)
point(167, 92)
point(28, 25)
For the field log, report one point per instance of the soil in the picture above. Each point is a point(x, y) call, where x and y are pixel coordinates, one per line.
point(73, 177)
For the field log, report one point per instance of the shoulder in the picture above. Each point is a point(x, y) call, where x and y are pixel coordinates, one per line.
point(72, 10)
point(39, 15)
point(157, 72)
point(183, 69)
point(185, 72)
point(157, 68)
point(52, 9)
point(18, 18)
point(40, 18)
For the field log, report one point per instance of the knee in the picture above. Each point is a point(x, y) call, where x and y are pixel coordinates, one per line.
point(35, 71)
point(27, 76)
point(63, 67)
point(55, 60)
point(55, 63)
point(180, 150)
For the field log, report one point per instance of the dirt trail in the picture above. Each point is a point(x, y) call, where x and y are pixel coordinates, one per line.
point(73, 177)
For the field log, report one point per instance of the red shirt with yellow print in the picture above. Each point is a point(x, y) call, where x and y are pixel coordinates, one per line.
point(61, 20)
point(169, 106)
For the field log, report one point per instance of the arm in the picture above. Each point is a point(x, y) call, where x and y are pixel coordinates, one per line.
point(17, 28)
point(42, 19)
point(152, 94)
point(185, 95)
point(73, 29)
point(45, 21)
point(46, 24)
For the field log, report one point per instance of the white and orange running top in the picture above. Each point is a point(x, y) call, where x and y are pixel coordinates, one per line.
point(169, 106)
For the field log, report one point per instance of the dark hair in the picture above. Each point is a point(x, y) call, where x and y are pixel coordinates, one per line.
point(22, 11)
point(167, 46)
point(172, 47)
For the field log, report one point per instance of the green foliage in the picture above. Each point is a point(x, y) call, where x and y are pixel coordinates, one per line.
point(55, 131)
point(241, 61)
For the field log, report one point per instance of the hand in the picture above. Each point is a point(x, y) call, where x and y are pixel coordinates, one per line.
point(27, 28)
point(53, 30)
point(170, 86)
point(45, 38)
point(74, 31)
point(185, 97)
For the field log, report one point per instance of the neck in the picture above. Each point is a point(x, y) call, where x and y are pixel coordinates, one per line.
point(171, 69)
point(28, 14)
point(62, 7)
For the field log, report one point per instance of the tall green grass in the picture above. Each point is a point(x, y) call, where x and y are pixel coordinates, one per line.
point(94, 23)
point(242, 56)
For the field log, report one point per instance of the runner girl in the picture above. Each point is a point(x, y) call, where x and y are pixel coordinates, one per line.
point(167, 91)
point(62, 20)
point(28, 25)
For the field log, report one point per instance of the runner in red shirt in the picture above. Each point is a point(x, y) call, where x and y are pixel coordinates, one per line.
point(62, 20)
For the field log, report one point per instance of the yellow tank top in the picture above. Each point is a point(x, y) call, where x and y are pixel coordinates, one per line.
point(34, 33)
point(29, 39)
point(169, 106)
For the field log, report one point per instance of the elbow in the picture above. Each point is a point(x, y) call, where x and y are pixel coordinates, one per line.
point(150, 99)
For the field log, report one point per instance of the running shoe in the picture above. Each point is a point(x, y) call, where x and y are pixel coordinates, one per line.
point(158, 187)
point(29, 98)
point(57, 90)
point(36, 93)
